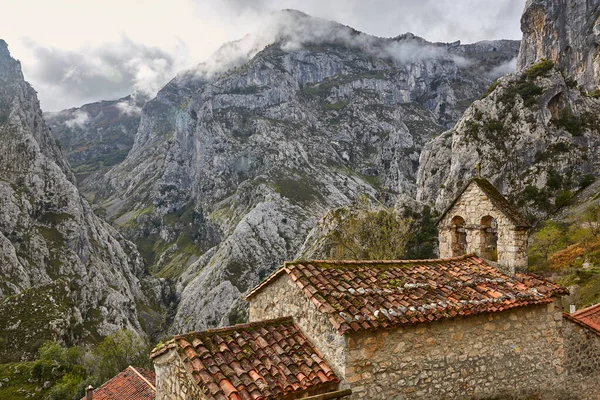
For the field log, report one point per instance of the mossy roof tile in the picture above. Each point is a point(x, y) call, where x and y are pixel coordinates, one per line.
point(262, 360)
point(423, 290)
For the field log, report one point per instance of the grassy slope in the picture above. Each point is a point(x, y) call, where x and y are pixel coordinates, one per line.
point(16, 382)
point(571, 261)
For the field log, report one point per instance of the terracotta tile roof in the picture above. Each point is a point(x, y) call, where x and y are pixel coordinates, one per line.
point(496, 198)
point(366, 295)
point(588, 317)
point(130, 384)
point(263, 360)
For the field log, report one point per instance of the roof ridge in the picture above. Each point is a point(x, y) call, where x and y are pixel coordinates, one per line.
point(232, 328)
point(495, 196)
point(411, 261)
point(285, 265)
point(144, 379)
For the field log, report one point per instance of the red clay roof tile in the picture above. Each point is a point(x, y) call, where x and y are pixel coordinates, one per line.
point(130, 384)
point(262, 360)
point(367, 295)
point(587, 317)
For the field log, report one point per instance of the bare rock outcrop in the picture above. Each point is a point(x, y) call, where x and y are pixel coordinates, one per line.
point(567, 33)
point(536, 133)
point(64, 273)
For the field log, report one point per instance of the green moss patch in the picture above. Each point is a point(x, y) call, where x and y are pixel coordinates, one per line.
point(541, 68)
point(27, 319)
point(296, 188)
point(336, 106)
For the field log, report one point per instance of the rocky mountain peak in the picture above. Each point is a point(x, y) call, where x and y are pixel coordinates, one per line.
point(536, 133)
point(567, 33)
point(9, 67)
point(234, 161)
point(3, 48)
point(59, 262)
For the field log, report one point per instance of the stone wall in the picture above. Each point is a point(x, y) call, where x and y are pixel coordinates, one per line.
point(282, 298)
point(527, 353)
point(582, 359)
point(472, 206)
point(516, 354)
point(173, 382)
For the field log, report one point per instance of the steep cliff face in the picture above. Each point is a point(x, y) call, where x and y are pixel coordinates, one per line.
point(567, 33)
point(64, 273)
point(536, 135)
point(96, 136)
point(232, 167)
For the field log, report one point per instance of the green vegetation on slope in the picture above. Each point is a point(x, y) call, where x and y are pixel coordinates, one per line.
point(569, 250)
point(61, 373)
point(377, 233)
point(525, 87)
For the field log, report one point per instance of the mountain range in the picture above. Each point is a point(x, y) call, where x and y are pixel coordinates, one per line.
point(208, 187)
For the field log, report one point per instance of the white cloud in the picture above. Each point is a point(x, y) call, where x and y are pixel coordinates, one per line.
point(188, 31)
point(294, 30)
point(504, 69)
point(105, 72)
point(129, 108)
point(79, 120)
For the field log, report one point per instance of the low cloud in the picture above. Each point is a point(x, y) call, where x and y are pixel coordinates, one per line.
point(129, 108)
point(70, 69)
point(108, 71)
point(79, 120)
point(436, 20)
point(294, 30)
point(504, 69)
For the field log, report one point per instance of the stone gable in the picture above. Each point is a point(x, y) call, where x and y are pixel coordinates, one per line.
point(476, 224)
point(173, 381)
point(283, 299)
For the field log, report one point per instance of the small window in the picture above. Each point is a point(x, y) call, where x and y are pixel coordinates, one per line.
point(459, 236)
point(489, 238)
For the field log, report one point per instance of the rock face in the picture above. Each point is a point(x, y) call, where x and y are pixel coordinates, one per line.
point(536, 135)
point(235, 161)
point(567, 34)
point(96, 136)
point(64, 273)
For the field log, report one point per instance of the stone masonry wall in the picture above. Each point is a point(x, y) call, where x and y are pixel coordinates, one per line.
point(282, 298)
point(582, 360)
point(472, 206)
point(509, 355)
point(173, 381)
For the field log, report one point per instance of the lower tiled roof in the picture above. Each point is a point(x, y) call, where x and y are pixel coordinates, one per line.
point(588, 317)
point(263, 360)
point(130, 384)
point(366, 295)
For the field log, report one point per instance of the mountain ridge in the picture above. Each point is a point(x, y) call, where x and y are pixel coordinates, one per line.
point(535, 134)
point(65, 274)
point(229, 172)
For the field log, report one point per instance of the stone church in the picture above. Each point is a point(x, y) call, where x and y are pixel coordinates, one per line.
point(470, 325)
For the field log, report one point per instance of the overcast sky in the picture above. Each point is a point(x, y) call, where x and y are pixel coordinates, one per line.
point(78, 51)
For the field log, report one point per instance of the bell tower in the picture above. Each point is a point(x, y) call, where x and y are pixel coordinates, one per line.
point(481, 221)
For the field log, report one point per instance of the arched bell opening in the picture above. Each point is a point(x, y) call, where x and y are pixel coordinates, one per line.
point(489, 238)
point(459, 236)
